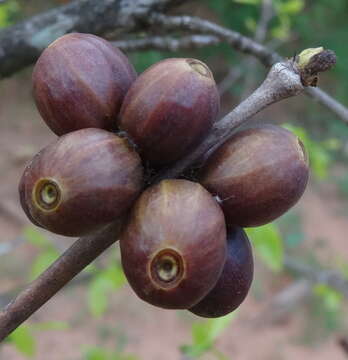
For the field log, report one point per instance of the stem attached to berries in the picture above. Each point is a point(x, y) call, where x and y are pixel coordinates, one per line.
point(284, 80)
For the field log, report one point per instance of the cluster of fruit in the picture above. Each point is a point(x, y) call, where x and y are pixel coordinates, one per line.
point(182, 244)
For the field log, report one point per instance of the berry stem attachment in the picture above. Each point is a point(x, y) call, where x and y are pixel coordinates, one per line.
point(281, 82)
point(285, 79)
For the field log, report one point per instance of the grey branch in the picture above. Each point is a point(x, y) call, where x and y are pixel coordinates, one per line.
point(318, 275)
point(233, 75)
point(235, 39)
point(329, 102)
point(170, 43)
point(245, 45)
point(218, 34)
point(260, 36)
point(288, 299)
point(284, 302)
point(21, 44)
point(267, 14)
point(167, 42)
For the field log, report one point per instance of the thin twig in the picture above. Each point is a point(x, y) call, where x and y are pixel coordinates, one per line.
point(267, 13)
point(260, 36)
point(329, 102)
point(284, 302)
point(247, 46)
point(300, 290)
point(234, 74)
point(330, 278)
point(233, 38)
point(167, 42)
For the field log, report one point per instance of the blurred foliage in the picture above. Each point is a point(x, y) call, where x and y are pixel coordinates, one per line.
point(318, 152)
point(268, 244)
point(332, 300)
point(290, 226)
point(23, 340)
point(342, 184)
point(98, 353)
point(104, 282)
point(9, 12)
point(48, 253)
point(325, 315)
point(143, 60)
point(204, 335)
point(24, 337)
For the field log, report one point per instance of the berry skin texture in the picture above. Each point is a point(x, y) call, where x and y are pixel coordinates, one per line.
point(173, 247)
point(234, 283)
point(80, 81)
point(170, 108)
point(81, 182)
point(258, 174)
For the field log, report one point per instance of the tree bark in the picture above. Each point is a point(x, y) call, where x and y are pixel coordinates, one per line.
point(21, 44)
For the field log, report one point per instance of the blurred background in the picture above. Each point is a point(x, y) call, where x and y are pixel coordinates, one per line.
point(293, 310)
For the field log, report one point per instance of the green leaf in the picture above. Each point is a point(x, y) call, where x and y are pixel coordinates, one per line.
point(209, 330)
point(50, 325)
point(96, 353)
point(36, 237)
point(42, 262)
point(193, 351)
point(290, 7)
point(204, 334)
point(250, 24)
point(116, 275)
point(23, 340)
point(142, 60)
point(97, 295)
point(268, 243)
point(110, 279)
point(7, 12)
point(331, 298)
point(282, 30)
point(91, 269)
point(118, 356)
point(319, 158)
point(248, 2)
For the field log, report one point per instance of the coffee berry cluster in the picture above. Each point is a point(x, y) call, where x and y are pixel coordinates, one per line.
point(182, 244)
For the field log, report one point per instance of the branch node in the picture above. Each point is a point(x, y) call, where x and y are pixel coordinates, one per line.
point(310, 62)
